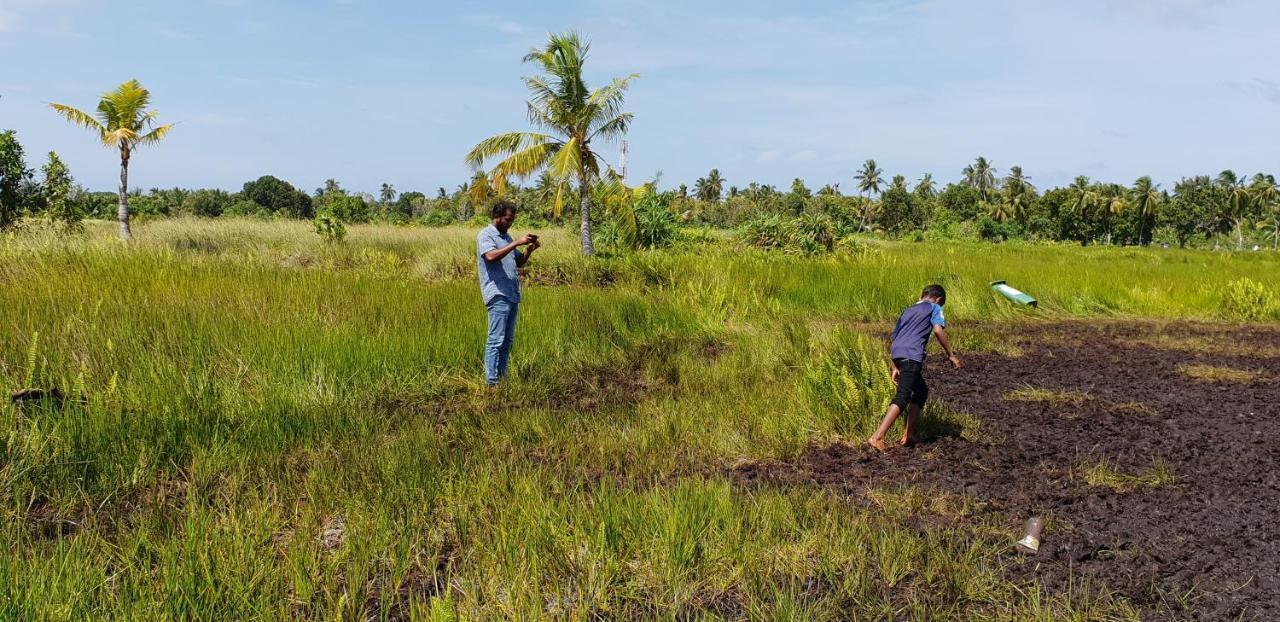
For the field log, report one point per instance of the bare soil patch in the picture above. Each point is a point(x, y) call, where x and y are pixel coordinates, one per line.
point(1201, 544)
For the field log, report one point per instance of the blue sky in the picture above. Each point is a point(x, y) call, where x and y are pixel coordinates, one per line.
point(397, 91)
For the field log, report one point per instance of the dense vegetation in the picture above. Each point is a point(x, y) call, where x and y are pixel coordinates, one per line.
point(1227, 209)
point(257, 424)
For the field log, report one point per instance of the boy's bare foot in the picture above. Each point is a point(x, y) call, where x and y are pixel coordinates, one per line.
point(908, 441)
point(877, 443)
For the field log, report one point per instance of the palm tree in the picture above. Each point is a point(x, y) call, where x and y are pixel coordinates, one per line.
point(1270, 227)
point(829, 190)
point(899, 183)
point(1020, 193)
point(388, 193)
point(1083, 197)
point(926, 187)
point(715, 184)
point(1112, 202)
point(122, 122)
point(709, 188)
point(1239, 200)
point(869, 181)
point(575, 115)
point(980, 175)
point(1146, 198)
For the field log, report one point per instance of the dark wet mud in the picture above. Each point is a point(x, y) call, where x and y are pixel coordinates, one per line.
point(1182, 519)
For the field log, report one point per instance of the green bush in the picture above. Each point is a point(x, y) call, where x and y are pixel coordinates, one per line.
point(1247, 299)
point(768, 232)
point(330, 229)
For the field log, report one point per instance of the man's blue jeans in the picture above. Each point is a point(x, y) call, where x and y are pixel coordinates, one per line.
point(502, 333)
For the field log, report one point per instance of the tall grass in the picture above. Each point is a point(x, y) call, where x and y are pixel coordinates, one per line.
point(260, 424)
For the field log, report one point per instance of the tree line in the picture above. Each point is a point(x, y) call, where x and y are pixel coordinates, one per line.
point(1226, 209)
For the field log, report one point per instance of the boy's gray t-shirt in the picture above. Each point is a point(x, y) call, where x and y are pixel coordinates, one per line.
point(497, 278)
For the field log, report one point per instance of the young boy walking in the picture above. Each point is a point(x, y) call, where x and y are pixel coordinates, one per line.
point(910, 337)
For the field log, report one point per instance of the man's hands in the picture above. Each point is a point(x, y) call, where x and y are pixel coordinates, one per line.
point(895, 375)
point(955, 360)
point(526, 239)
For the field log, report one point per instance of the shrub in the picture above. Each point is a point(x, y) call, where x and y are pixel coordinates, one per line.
point(438, 218)
point(330, 229)
point(768, 232)
point(655, 222)
point(1247, 299)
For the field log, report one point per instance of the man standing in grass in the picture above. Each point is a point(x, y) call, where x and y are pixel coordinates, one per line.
point(910, 338)
point(498, 257)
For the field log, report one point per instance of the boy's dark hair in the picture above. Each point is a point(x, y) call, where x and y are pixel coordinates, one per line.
point(501, 208)
point(935, 291)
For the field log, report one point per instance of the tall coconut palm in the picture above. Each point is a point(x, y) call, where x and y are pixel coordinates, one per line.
point(869, 180)
point(715, 184)
point(121, 122)
point(982, 176)
point(562, 104)
point(926, 187)
point(1019, 193)
point(709, 188)
point(388, 193)
point(1146, 199)
point(1083, 196)
point(1239, 200)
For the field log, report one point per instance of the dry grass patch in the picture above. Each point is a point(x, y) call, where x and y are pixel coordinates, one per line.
point(1050, 396)
point(1102, 474)
point(1133, 408)
point(1203, 344)
point(1218, 373)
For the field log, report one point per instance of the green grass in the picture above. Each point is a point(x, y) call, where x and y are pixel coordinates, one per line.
point(247, 388)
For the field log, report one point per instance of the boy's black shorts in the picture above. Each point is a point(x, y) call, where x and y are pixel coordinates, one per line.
point(911, 386)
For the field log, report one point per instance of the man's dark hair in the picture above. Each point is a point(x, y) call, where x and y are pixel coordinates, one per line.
point(935, 291)
point(501, 208)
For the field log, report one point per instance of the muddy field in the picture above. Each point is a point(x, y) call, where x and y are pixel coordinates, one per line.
point(1151, 449)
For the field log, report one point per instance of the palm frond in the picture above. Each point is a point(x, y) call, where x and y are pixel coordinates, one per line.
point(155, 135)
point(81, 118)
point(614, 127)
point(525, 162)
point(607, 101)
point(567, 162)
point(502, 144)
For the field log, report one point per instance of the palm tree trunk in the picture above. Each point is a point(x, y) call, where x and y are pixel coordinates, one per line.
point(122, 208)
point(584, 191)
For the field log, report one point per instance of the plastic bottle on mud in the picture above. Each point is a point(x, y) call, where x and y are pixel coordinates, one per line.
point(1030, 542)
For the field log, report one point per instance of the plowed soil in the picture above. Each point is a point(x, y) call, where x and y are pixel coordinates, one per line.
point(1201, 399)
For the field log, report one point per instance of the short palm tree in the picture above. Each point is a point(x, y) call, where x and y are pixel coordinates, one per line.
point(388, 193)
point(122, 122)
point(574, 115)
